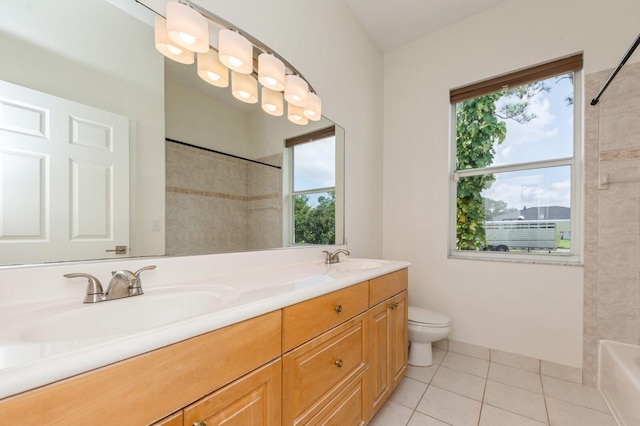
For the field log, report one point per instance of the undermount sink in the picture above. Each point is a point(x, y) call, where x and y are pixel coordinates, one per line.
point(346, 264)
point(96, 321)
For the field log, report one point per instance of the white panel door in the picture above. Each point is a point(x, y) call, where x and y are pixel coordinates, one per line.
point(64, 178)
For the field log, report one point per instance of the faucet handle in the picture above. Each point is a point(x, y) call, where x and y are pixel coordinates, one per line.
point(136, 284)
point(94, 288)
point(327, 258)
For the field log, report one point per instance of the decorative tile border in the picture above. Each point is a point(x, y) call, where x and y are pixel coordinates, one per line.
point(620, 154)
point(208, 194)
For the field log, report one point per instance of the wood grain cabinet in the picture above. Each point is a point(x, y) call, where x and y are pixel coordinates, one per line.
point(388, 342)
point(252, 400)
point(333, 359)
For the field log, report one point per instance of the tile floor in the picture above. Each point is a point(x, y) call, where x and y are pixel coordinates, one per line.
point(462, 390)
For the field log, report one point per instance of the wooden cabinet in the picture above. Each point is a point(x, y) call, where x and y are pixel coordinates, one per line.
point(144, 389)
point(252, 400)
point(344, 353)
point(317, 372)
point(389, 346)
point(306, 320)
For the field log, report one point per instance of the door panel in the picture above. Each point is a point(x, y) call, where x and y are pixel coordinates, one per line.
point(64, 178)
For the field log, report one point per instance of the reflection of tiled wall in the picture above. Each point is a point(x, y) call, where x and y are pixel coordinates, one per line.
point(208, 202)
point(612, 214)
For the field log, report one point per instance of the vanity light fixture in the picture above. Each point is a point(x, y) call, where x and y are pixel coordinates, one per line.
point(272, 102)
point(313, 109)
point(271, 72)
point(167, 47)
point(211, 70)
point(235, 51)
point(244, 87)
point(295, 114)
point(187, 28)
point(295, 90)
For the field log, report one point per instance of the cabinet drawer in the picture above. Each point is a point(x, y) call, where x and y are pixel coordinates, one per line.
point(382, 288)
point(305, 320)
point(254, 399)
point(349, 408)
point(316, 371)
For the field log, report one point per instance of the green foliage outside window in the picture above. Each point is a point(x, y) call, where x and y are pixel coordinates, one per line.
point(315, 224)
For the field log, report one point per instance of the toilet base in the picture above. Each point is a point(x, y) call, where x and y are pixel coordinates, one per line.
point(420, 354)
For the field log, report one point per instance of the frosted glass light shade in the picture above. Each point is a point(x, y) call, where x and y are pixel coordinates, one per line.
point(295, 90)
point(235, 51)
point(271, 72)
point(187, 28)
point(166, 46)
point(296, 115)
point(211, 70)
point(272, 102)
point(313, 109)
point(244, 87)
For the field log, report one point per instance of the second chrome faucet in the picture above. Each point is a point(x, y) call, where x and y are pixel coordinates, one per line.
point(123, 284)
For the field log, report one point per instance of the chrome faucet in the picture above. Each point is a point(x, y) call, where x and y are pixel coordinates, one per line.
point(123, 284)
point(334, 257)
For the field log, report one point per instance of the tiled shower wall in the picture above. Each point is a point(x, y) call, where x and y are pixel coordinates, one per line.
point(219, 204)
point(612, 214)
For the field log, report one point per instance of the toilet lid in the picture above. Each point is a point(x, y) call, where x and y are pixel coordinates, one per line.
point(427, 316)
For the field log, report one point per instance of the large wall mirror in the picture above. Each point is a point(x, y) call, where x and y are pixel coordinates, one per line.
point(104, 143)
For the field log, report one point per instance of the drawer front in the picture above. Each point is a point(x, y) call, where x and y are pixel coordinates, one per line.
point(316, 371)
point(305, 320)
point(386, 286)
point(349, 408)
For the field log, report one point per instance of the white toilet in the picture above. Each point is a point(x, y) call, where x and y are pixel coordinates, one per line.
point(425, 326)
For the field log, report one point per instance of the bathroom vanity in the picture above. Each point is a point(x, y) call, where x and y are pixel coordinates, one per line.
point(332, 352)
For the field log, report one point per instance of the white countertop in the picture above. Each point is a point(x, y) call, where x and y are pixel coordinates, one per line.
point(257, 289)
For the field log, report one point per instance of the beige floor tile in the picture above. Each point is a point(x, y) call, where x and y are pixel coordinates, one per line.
point(563, 413)
point(585, 396)
point(515, 377)
point(392, 414)
point(438, 356)
point(419, 419)
point(478, 367)
point(422, 374)
point(459, 382)
point(492, 416)
point(515, 360)
point(449, 407)
point(516, 400)
point(408, 393)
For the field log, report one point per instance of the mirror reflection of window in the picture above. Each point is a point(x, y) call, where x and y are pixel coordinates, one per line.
point(313, 188)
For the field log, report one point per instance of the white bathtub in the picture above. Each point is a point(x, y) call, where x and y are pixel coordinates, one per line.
point(619, 380)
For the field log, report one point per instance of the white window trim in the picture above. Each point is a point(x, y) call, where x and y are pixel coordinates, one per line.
point(575, 258)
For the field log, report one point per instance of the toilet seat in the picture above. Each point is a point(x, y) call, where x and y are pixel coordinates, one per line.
point(427, 317)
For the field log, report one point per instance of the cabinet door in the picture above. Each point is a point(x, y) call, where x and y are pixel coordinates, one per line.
point(398, 339)
point(251, 400)
point(379, 355)
point(389, 347)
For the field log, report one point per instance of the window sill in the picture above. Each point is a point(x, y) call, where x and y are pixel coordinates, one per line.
point(546, 259)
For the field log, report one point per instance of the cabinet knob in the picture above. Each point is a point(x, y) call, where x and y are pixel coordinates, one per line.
point(393, 305)
point(338, 308)
point(338, 363)
point(200, 423)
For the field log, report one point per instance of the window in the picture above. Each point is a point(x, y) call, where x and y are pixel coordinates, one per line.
point(516, 165)
point(313, 187)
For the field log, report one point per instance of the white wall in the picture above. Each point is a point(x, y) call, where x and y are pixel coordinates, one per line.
point(530, 309)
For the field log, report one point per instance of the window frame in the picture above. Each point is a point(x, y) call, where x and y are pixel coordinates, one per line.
point(539, 72)
point(290, 143)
